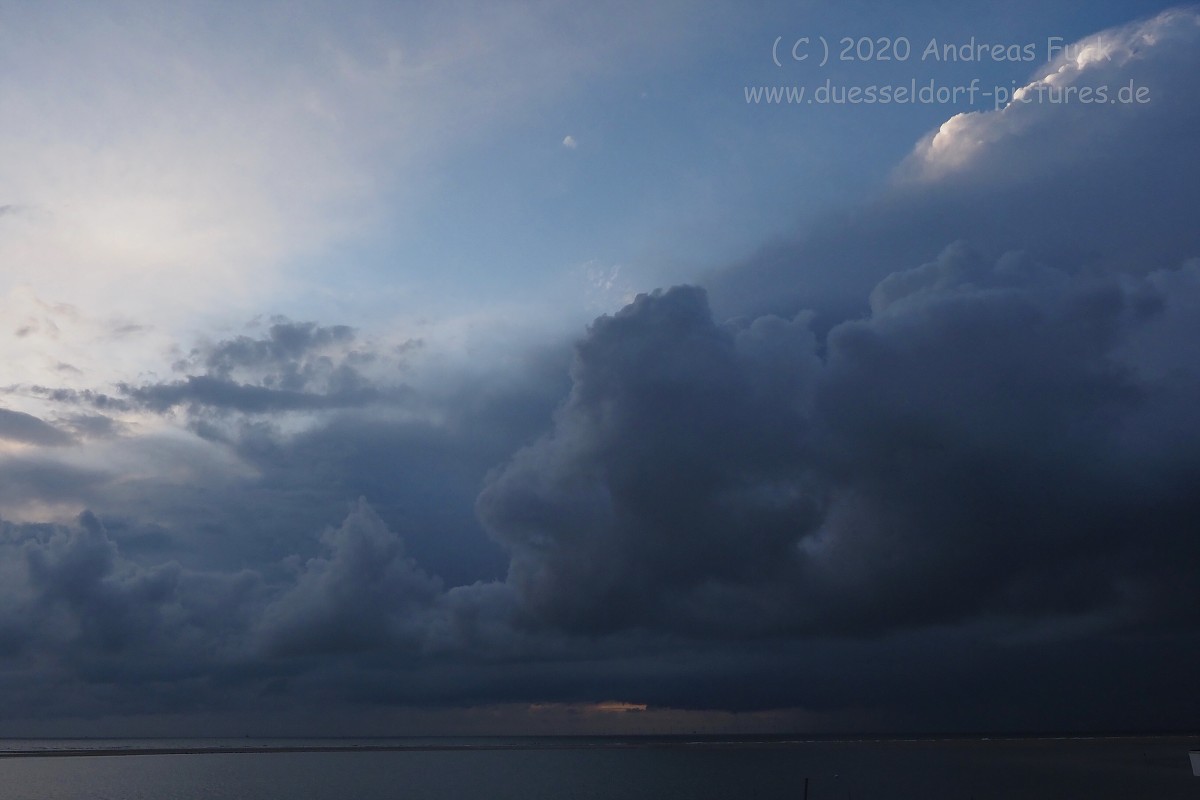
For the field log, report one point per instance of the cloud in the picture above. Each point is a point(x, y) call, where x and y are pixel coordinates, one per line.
point(64, 396)
point(16, 426)
point(94, 426)
point(669, 472)
point(285, 349)
point(1085, 187)
point(268, 432)
point(569, 142)
point(70, 591)
point(360, 595)
point(1135, 55)
point(294, 367)
point(979, 447)
point(206, 391)
point(948, 484)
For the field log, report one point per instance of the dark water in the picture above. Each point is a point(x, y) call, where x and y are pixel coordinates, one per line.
point(544, 769)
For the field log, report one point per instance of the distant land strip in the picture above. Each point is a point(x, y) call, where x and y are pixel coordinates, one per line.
point(381, 748)
point(83, 752)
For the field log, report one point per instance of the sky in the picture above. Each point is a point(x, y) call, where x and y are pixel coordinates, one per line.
point(396, 368)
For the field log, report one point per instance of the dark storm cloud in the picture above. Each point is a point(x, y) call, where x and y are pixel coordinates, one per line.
point(1109, 187)
point(94, 625)
point(989, 447)
point(73, 572)
point(360, 594)
point(995, 465)
point(70, 593)
point(675, 470)
point(951, 487)
point(17, 426)
point(981, 446)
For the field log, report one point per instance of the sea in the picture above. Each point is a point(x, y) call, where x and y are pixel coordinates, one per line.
point(600, 768)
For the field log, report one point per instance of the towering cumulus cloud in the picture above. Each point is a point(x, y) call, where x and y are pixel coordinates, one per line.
point(674, 481)
point(991, 442)
point(361, 595)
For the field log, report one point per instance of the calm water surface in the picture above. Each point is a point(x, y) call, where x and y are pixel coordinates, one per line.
point(862, 770)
